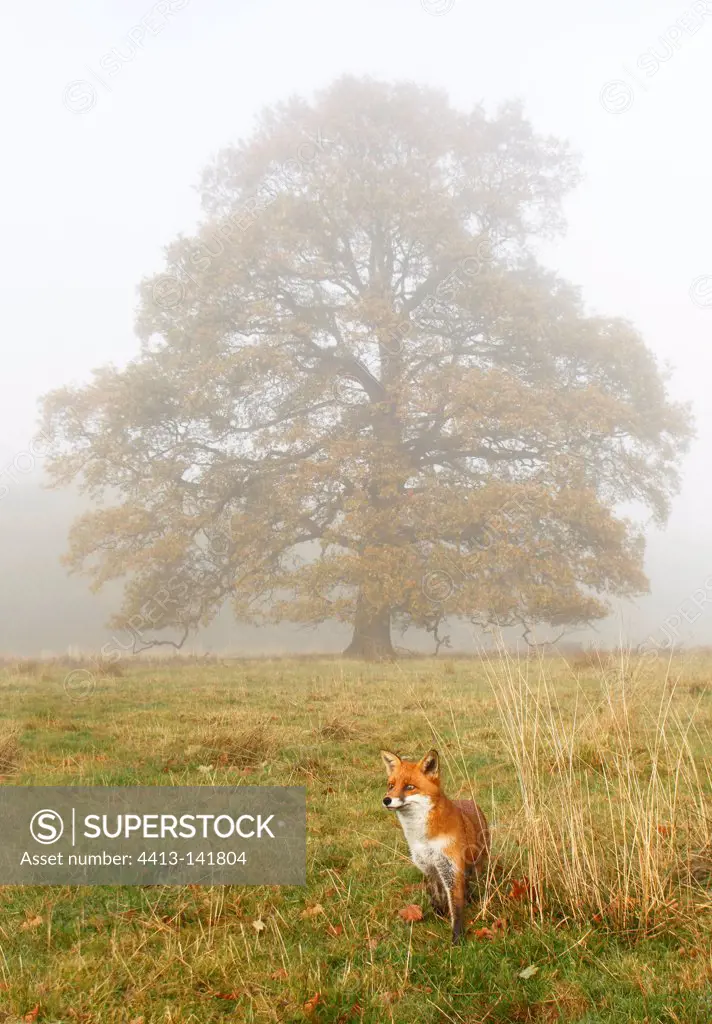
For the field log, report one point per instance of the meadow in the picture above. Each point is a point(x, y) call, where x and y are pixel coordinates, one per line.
point(594, 772)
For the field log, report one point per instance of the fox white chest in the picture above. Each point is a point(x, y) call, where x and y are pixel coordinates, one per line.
point(424, 851)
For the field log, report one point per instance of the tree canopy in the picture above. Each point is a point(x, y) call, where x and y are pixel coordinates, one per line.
point(360, 397)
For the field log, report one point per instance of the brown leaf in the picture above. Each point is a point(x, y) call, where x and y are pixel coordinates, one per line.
point(335, 929)
point(33, 1014)
point(499, 924)
point(226, 995)
point(484, 934)
point(279, 975)
point(31, 923)
point(312, 911)
point(311, 1004)
point(390, 997)
point(411, 913)
point(519, 890)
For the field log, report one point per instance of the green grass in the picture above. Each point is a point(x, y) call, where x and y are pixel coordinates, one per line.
point(191, 954)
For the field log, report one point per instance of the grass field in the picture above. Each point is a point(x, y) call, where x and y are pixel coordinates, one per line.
point(595, 776)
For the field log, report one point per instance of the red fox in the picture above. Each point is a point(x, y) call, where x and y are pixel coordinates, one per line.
point(448, 839)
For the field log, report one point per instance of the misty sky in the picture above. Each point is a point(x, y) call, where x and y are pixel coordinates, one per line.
point(100, 169)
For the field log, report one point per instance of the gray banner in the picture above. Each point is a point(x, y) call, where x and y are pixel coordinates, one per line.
point(152, 835)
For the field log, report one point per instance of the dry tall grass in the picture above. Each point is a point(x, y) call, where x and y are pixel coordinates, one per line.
point(613, 793)
point(10, 752)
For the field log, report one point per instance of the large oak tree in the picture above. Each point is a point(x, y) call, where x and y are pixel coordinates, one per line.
point(359, 396)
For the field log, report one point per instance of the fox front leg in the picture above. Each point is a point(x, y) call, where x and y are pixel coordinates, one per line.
point(437, 894)
point(452, 877)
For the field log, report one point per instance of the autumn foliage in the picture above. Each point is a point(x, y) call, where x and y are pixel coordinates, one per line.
point(359, 397)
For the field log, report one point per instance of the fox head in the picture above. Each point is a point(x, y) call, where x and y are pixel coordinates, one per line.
point(410, 781)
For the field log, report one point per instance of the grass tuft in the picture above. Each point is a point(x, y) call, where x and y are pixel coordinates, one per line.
point(243, 749)
point(10, 753)
point(29, 667)
point(336, 730)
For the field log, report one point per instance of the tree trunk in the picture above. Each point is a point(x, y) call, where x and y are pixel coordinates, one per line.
point(372, 634)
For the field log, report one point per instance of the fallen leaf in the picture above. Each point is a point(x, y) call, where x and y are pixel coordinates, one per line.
point(335, 929)
point(529, 972)
point(279, 975)
point(226, 995)
point(519, 890)
point(259, 925)
point(31, 923)
point(311, 1004)
point(483, 934)
point(664, 830)
point(312, 911)
point(500, 924)
point(411, 913)
point(390, 997)
point(33, 1014)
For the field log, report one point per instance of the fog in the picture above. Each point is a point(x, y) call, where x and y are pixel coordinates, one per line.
point(109, 125)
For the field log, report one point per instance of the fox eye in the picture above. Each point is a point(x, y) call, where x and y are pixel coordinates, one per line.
point(409, 787)
point(391, 785)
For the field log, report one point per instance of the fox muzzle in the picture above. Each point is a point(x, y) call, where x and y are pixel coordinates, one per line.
point(393, 803)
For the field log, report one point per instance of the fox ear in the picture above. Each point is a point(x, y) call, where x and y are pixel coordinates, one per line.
point(430, 764)
point(390, 760)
